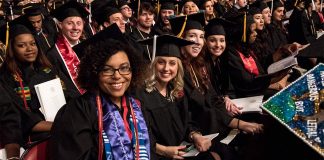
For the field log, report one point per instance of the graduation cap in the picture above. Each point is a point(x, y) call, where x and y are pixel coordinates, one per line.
point(259, 4)
point(33, 9)
point(314, 50)
point(169, 4)
point(101, 15)
point(181, 23)
point(183, 2)
point(274, 4)
point(242, 21)
point(70, 9)
point(216, 26)
point(110, 32)
point(14, 28)
point(166, 45)
point(120, 3)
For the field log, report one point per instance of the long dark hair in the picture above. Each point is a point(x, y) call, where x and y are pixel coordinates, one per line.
point(12, 64)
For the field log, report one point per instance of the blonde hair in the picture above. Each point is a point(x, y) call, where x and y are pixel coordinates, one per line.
point(176, 83)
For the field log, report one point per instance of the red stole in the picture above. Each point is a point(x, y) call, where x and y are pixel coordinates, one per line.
point(70, 59)
point(249, 64)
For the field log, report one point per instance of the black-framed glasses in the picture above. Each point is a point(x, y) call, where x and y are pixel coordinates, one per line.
point(123, 70)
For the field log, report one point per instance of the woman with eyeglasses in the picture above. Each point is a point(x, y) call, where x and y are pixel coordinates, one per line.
point(106, 122)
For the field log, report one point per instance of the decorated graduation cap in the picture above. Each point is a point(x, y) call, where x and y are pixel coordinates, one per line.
point(181, 23)
point(70, 9)
point(166, 45)
point(216, 26)
point(14, 28)
point(110, 32)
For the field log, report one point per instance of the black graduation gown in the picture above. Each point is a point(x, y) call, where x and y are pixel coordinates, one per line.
point(54, 57)
point(277, 36)
point(300, 27)
point(219, 76)
point(245, 84)
point(44, 40)
point(137, 35)
point(75, 131)
point(23, 118)
point(207, 111)
point(168, 121)
point(15, 122)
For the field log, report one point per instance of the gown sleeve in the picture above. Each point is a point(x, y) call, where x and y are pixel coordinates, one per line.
point(75, 132)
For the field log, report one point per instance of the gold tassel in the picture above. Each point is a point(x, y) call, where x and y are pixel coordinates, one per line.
point(177, 9)
point(158, 7)
point(138, 7)
point(244, 29)
point(183, 27)
point(7, 35)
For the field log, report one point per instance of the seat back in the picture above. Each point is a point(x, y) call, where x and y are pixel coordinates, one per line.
point(37, 151)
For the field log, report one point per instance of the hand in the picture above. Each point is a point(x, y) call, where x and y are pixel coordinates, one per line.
point(249, 127)
point(202, 143)
point(231, 108)
point(173, 152)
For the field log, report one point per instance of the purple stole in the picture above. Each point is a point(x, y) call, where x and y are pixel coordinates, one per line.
point(117, 141)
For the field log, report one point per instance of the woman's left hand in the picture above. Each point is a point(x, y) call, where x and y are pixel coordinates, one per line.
point(231, 108)
point(202, 143)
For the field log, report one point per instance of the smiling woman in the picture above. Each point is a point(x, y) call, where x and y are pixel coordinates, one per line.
point(107, 121)
point(24, 67)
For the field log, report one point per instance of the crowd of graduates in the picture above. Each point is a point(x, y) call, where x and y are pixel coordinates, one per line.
point(142, 76)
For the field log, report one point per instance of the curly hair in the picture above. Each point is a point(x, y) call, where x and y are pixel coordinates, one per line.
point(96, 56)
point(176, 84)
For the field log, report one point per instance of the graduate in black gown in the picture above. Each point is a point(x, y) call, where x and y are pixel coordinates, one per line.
point(24, 67)
point(216, 62)
point(162, 25)
point(106, 122)
point(164, 104)
point(45, 36)
point(206, 107)
point(71, 24)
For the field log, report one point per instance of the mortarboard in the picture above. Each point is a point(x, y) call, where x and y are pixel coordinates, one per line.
point(70, 9)
point(166, 45)
point(259, 4)
point(110, 32)
point(33, 9)
point(314, 50)
point(169, 4)
point(182, 23)
point(16, 27)
point(274, 4)
point(242, 21)
point(103, 13)
point(120, 3)
point(216, 26)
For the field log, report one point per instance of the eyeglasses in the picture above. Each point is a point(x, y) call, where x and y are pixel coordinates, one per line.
point(123, 70)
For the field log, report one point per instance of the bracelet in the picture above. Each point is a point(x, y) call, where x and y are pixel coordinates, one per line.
point(238, 124)
point(11, 158)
